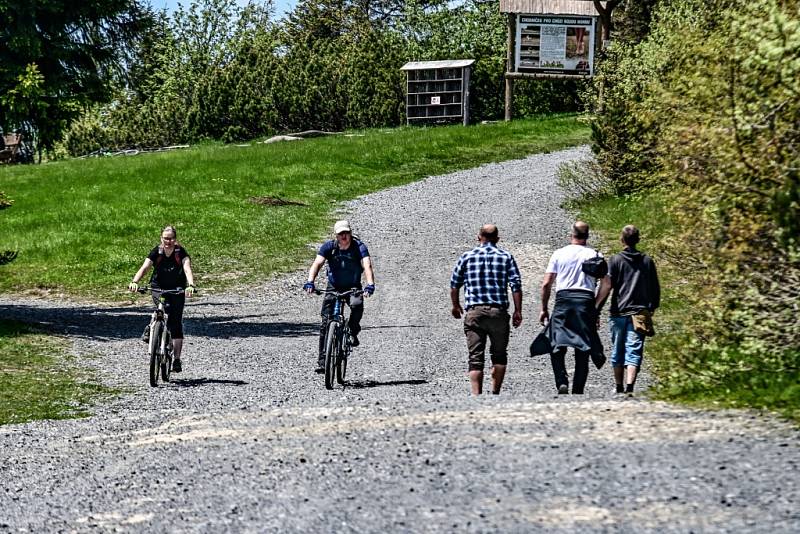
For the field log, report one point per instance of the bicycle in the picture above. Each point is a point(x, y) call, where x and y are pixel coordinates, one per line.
point(160, 344)
point(337, 337)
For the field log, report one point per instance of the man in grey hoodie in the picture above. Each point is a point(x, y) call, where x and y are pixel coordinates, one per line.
point(633, 279)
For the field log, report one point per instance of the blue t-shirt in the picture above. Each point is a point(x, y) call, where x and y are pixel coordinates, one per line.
point(344, 266)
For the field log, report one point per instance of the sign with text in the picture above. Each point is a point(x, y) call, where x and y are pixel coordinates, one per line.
point(555, 44)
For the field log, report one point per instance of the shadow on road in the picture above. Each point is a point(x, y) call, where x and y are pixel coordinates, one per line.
point(98, 323)
point(363, 384)
point(229, 327)
point(388, 326)
point(197, 382)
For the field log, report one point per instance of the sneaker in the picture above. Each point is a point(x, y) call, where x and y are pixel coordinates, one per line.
point(176, 366)
point(563, 389)
point(620, 388)
point(354, 340)
point(319, 370)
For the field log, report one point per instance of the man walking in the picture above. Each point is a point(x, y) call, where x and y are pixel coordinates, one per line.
point(574, 320)
point(486, 272)
point(348, 258)
point(636, 295)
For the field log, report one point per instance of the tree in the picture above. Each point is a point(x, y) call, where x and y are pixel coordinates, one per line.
point(58, 57)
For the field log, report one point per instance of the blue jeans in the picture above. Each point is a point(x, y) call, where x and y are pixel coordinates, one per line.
point(627, 345)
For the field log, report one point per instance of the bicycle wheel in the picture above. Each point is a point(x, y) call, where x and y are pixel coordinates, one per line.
point(341, 360)
point(155, 342)
point(331, 351)
point(166, 360)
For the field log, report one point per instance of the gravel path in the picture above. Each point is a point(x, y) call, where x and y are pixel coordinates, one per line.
point(248, 439)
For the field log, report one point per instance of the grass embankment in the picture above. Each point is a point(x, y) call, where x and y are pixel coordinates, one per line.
point(667, 351)
point(37, 378)
point(84, 226)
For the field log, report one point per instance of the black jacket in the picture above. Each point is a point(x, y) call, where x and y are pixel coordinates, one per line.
point(635, 283)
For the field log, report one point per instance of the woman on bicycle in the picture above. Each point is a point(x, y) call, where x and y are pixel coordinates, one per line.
point(173, 269)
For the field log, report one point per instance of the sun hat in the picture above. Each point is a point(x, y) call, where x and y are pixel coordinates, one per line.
point(341, 226)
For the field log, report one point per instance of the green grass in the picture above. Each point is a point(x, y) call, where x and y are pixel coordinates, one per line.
point(83, 227)
point(37, 378)
point(679, 370)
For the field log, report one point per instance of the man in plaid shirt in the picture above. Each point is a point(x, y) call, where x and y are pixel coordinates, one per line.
point(486, 272)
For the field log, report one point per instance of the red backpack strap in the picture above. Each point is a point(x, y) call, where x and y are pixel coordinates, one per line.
point(175, 254)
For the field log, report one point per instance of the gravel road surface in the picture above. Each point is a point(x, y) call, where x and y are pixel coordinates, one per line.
point(247, 439)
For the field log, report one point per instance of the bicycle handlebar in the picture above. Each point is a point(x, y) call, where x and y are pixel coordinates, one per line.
point(176, 291)
point(354, 292)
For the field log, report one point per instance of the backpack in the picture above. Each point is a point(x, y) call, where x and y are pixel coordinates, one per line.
point(595, 267)
point(175, 254)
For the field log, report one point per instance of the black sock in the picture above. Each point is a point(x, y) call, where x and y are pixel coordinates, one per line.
point(629, 388)
point(619, 388)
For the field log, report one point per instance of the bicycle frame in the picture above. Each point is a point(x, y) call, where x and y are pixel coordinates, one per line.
point(343, 339)
point(337, 340)
point(160, 337)
point(161, 315)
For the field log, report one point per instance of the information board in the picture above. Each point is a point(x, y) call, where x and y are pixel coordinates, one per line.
point(555, 44)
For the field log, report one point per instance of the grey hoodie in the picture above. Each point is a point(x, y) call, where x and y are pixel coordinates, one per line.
point(635, 283)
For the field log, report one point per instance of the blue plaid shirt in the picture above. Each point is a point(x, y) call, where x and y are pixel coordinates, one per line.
point(485, 272)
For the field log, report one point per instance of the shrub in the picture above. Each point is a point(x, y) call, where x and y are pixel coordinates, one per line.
point(709, 105)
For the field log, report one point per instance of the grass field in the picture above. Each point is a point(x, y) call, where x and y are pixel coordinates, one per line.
point(83, 227)
point(37, 378)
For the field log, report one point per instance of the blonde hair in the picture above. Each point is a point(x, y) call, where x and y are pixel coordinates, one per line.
point(168, 228)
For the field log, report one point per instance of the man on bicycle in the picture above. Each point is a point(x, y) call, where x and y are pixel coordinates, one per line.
point(347, 257)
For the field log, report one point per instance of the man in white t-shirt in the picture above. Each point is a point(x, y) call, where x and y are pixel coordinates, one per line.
point(574, 319)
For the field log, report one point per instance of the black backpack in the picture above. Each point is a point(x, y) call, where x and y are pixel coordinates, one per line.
point(595, 267)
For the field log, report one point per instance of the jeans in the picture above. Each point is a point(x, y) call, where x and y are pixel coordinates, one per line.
point(627, 345)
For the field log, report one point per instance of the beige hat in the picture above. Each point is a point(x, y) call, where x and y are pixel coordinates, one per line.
point(341, 226)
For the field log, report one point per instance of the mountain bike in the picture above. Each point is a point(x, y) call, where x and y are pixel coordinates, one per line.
point(160, 344)
point(337, 337)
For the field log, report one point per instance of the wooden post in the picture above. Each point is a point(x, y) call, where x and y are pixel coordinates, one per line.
point(512, 34)
point(465, 98)
point(509, 97)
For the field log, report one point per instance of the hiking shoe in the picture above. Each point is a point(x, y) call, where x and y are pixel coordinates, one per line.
point(319, 370)
point(176, 366)
point(620, 388)
point(563, 389)
point(354, 340)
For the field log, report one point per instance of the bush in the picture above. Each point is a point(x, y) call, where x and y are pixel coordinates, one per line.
point(708, 105)
point(328, 66)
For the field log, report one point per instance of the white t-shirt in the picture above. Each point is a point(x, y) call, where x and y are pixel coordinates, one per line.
point(566, 264)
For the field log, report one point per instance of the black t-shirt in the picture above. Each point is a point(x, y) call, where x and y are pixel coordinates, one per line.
point(168, 270)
